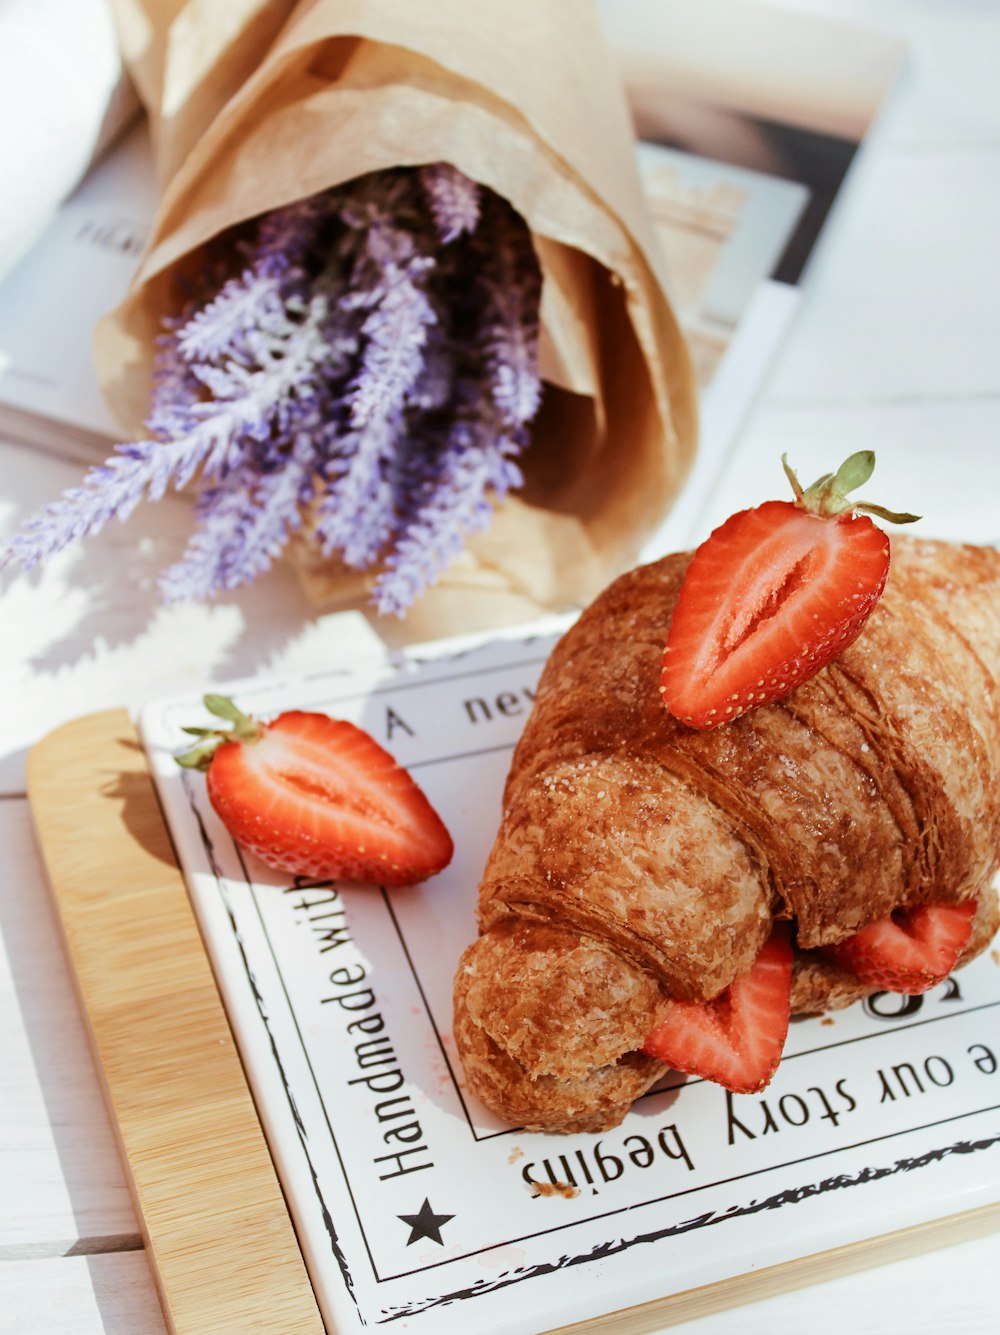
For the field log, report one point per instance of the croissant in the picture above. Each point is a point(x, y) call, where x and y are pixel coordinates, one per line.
point(640, 861)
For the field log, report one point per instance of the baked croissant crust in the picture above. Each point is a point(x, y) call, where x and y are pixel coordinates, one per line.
point(640, 861)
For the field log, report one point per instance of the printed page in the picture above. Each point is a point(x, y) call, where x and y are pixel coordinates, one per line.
point(52, 300)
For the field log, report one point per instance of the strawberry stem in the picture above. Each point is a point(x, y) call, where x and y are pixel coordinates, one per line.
point(828, 494)
point(244, 729)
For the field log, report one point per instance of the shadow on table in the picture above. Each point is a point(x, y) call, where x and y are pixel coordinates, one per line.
point(122, 605)
point(139, 811)
point(125, 1295)
point(102, 593)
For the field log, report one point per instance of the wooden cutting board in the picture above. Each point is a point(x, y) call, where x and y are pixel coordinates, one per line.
point(212, 1214)
point(215, 1223)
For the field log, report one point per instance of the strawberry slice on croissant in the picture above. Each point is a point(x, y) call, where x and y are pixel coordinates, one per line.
point(641, 863)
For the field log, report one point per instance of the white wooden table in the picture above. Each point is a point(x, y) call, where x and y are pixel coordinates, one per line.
point(897, 342)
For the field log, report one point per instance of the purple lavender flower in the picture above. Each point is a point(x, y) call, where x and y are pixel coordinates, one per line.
point(453, 199)
point(258, 301)
point(244, 526)
point(356, 515)
point(374, 359)
point(286, 238)
point(252, 301)
point(432, 391)
point(511, 283)
point(448, 491)
point(194, 435)
point(453, 501)
point(175, 384)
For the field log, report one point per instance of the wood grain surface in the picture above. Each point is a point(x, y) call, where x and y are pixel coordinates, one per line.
point(211, 1211)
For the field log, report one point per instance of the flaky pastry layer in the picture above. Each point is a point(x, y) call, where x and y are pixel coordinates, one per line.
point(639, 860)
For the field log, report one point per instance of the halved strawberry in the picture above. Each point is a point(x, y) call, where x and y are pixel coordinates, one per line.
point(910, 951)
point(772, 595)
point(737, 1038)
point(316, 796)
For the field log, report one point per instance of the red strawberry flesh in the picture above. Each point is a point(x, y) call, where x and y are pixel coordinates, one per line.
point(737, 1038)
point(319, 797)
point(910, 951)
point(768, 599)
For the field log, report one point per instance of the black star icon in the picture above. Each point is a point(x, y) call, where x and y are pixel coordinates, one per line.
point(425, 1223)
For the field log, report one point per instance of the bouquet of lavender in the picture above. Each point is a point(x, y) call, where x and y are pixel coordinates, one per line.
point(370, 371)
point(350, 379)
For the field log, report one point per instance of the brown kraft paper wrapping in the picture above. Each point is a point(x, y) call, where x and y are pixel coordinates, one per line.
point(521, 97)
